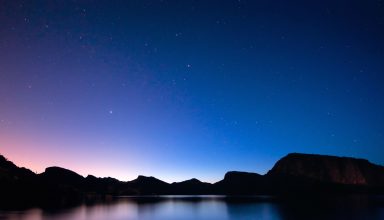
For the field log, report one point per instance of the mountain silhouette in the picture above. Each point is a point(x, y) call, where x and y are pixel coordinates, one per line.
point(149, 185)
point(61, 176)
point(331, 169)
point(9, 170)
point(103, 186)
point(294, 174)
point(236, 182)
point(192, 187)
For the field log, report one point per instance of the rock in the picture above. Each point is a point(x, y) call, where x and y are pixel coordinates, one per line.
point(329, 169)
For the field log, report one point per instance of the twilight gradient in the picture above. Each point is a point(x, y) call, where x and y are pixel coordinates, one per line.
point(182, 89)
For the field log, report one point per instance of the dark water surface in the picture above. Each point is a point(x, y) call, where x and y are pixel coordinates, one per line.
point(210, 207)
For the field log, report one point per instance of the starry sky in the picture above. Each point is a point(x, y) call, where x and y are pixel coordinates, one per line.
point(182, 89)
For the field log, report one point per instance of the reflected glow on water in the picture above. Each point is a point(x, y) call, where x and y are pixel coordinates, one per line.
point(203, 208)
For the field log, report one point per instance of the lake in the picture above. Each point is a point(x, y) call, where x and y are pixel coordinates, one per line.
point(210, 207)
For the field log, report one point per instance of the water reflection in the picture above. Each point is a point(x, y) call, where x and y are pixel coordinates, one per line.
point(266, 211)
point(209, 208)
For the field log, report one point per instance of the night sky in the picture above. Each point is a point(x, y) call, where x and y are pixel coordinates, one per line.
point(182, 89)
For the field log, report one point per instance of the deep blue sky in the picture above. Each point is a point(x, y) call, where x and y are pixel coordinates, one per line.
point(182, 89)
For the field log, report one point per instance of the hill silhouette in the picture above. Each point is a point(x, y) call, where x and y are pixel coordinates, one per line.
point(294, 174)
point(342, 170)
point(192, 186)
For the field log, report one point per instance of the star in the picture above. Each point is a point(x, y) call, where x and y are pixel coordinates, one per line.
point(110, 112)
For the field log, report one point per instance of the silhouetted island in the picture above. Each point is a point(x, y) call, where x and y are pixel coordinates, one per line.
point(294, 175)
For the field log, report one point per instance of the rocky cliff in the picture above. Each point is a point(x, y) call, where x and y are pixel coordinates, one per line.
point(330, 169)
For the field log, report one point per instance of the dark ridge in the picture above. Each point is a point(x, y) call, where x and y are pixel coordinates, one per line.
point(191, 187)
point(147, 180)
point(149, 185)
point(190, 181)
point(102, 186)
point(10, 170)
point(6, 164)
point(295, 174)
point(236, 182)
point(329, 169)
point(61, 176)
point(240, 176)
